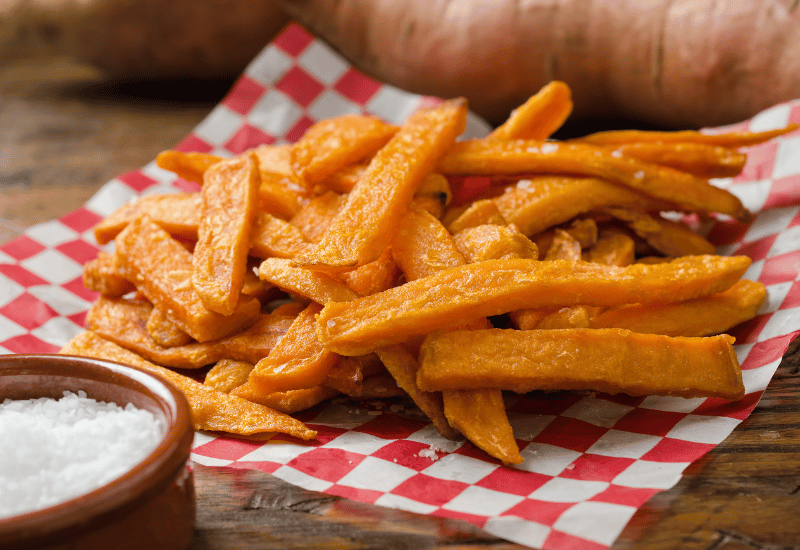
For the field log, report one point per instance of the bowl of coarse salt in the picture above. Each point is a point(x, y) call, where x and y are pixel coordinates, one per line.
point(93, 454)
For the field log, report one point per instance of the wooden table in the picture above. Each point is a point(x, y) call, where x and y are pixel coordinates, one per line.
point(64, 133)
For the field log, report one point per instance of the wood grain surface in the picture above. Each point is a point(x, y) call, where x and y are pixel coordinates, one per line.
point(64, 132)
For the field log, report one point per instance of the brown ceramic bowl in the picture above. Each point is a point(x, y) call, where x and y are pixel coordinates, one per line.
point(150, 506)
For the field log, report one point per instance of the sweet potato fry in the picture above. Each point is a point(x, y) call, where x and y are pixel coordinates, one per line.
point(403, 368)
point(190, 166)
point(474, 414)
point(478, 414)
point(540, 116)
point(178, 214)
point(608, 360)
point(333, 144)
point(668, 237)
point(724, 139)
point(612, 248)
point(223, 236)
point(164, 332)
point(228, 374)
point(273, 236)
point(529, 318)
point(422, 245)
point(211, 410)
point(493, 287)
point(704, 316)
point(566, 317)
point(290, 401)
point(345, 179)
point(314, 285)
point(487, 157)
point(494, 242)
point(433, 195)
point(297, 361)
point(364, 227)
point(700, 159)
point(124, 322)
point(348, 374)
point(317, 214)
point(376, 276)
point(563, 247)
point(536, 204)
point(277, 196)
point(102, 275)
point(480, 212)
point(161, 269)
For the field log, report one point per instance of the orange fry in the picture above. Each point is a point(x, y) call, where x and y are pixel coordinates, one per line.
point(480, 212)
point(228, 374)
point(475, 414)
point(190, 166)
point(297, 361)
point(403, 368)
point(668, 237)
point(123, 322)
point(162, 269)
point(487, 157)
point(613, 248)
point(700, 159)
point(534, 205)
point(494, 242)
point(164, 332)
point(376, 276)
point(211, 410)
point(317, 214)
point(223, 236)
point(703, 316)
point(178, 214)
point(333, 144)
point(422, 245)
point(101, 275)
point(724, 139)
point(364, 227)
point(310, 284)
point(493, 287)
point(290, 401)
point(540, 116)
point(608, 360)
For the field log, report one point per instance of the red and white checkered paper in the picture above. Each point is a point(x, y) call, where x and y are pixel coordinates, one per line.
point(590, 460)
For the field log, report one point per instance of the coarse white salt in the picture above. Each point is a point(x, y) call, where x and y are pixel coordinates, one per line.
point(52, 450)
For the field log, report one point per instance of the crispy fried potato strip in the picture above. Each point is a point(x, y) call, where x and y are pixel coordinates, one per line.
point(724, 139)
point(190, 165)
point(540, 116)
point(211, 409)
point(333, 144)
point(162, 270)
point(689, 192)
point(608, 360)
point(493, 287)
point(223, 237)
point(704, 316)
point(364, 226)
point(124, 322)
point(298, 360)
point(101, 275)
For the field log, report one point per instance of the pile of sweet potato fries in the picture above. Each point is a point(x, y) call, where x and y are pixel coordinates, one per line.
point(340, 265)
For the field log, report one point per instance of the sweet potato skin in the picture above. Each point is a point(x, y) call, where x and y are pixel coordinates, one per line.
point(690, 63)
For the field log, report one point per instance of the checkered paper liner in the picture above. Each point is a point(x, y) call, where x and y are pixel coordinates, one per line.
point(590, 460)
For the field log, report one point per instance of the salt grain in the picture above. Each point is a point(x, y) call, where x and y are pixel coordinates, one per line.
point(52, 450)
